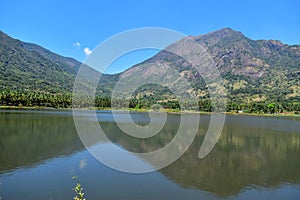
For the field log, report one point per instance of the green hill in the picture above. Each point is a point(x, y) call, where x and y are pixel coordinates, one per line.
point(26, 66)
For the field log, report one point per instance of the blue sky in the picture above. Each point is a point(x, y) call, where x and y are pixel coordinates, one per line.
point(59, 24)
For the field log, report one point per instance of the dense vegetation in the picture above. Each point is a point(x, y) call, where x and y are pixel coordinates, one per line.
point(39, 99)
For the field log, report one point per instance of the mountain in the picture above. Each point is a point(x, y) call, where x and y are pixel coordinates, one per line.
point(29, 66)
point(254, 71)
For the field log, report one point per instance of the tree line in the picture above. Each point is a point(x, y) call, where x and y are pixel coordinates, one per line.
point(64, 100)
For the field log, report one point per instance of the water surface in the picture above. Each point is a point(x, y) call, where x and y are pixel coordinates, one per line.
point(255, 158)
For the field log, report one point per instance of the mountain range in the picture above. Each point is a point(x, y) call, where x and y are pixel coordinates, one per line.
point(253, 70)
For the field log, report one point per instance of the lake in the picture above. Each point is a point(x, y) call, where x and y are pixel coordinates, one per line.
point(255, 158)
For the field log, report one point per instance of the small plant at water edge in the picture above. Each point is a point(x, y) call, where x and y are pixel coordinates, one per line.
point(78, 190)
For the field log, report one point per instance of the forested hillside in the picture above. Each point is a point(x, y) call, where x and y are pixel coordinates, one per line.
point(259, 75)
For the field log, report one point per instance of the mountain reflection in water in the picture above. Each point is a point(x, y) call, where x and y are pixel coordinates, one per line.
point(251, 152)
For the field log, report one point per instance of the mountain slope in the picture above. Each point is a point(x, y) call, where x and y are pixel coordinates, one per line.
point(30, 67)
point(253, 70)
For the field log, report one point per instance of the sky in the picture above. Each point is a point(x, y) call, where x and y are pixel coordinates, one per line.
point(74, 28)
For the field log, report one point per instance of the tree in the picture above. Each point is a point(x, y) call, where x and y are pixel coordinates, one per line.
point(271, 107)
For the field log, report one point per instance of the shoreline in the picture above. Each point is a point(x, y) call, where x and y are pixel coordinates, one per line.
point(171, 111)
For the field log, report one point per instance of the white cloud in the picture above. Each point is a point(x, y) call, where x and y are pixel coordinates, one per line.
point(87, 51)
point(76, 44)
point(82, 164)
